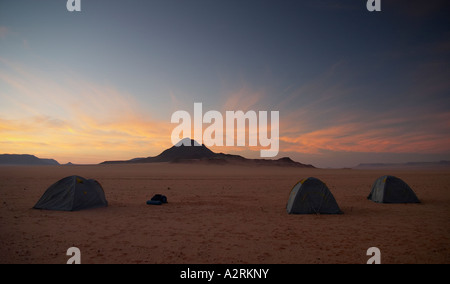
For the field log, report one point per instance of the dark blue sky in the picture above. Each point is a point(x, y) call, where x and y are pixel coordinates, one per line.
point(351, 86)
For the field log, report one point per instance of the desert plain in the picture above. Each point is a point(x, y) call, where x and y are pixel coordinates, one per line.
point(221, 214)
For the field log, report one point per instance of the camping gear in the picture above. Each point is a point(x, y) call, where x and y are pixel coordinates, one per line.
point(72, 194)
point(157, 199)
point(390, 189)
point(312, 196)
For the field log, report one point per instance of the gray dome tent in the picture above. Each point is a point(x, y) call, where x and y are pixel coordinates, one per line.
point(72, 194)
point(390, 189)
point(312, 196)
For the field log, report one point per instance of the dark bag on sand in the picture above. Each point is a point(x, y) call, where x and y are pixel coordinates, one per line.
point(157, 199)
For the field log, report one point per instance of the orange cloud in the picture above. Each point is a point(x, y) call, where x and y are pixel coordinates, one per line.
point(83, 122)
point(77, 121)
point(378, 135)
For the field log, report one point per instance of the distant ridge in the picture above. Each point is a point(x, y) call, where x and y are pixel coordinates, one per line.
point(410, 165)
point(24, 160)
point(201, 154)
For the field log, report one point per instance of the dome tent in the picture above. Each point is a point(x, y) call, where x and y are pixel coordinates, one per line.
point(72, 194)
point(312, 196)
point(390, 189)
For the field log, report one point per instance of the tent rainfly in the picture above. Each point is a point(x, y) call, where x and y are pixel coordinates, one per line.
point(312, 196)
point(390, 189)
point(72, 194)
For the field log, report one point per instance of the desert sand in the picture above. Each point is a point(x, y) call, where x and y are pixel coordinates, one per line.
point(221, 214)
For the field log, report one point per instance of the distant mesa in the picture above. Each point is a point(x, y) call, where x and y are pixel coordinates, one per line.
point(25, 160)
point(410, 165)
point(202, 155)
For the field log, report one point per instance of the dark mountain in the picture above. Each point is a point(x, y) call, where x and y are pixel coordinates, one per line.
point(201, 154)
point(181, 152)
point(26, 160)
point(406, 166)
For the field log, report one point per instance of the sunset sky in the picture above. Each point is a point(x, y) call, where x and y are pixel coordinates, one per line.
point(351, 86)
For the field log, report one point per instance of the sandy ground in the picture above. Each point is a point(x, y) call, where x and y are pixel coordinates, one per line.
point(221, 214)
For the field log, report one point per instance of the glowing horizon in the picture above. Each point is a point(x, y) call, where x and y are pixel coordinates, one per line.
point(86, 88)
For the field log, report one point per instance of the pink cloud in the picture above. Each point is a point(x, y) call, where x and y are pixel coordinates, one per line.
point(380, 135)
point(3, 31)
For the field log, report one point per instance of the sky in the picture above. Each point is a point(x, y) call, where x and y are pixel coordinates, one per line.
point(351, 86)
